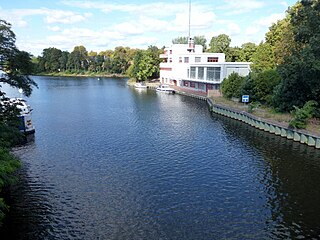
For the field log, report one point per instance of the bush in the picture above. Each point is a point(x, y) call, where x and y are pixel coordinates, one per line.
point(8, 165)
point(301, 115)
point(232, 85)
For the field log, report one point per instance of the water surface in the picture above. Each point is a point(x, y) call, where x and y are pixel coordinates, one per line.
point(111, 162)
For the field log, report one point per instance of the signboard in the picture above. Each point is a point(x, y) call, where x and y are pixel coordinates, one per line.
point(245, 98)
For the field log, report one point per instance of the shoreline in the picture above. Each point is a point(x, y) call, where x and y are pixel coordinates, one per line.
point(272, 124)
point(114, 75)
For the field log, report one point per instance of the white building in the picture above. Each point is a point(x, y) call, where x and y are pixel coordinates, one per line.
point(186, 65)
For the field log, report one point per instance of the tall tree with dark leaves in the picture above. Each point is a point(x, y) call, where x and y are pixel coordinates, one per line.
point(300, 70)
point(15, 65)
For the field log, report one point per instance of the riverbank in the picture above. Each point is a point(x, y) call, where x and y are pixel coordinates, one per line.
point(84, 74)
point(268, 114)
point(9, 164)
point(259, 113)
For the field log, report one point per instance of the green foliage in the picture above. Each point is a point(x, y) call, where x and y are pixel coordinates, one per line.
point(145, 64)
point(234, 54)
point(263, 58)
point(252, 106)
point(264, 85)
point(8, 165)
point(15, 65)
point(198, 40)
point(280, 38)
point(220, 44)
point(180, 40)
point(232, 85)
point(248, 50)
point(301, 115)
point(300, 69)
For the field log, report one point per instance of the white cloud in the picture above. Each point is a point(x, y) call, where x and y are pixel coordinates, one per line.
point(267, 21)
point(285, 4)
point(54, 28)
point(149, 9)
point(252, 30)
point(17, 16)
point(66, 17)
point(233, 7)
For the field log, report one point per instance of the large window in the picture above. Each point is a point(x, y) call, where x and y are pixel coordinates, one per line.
point(186, 59)
point(193, 72)
point(201, 73)
point(197, 59)
point(213, 73)
point(212, 59)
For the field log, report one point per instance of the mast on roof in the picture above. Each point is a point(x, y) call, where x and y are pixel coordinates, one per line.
point(190, 40)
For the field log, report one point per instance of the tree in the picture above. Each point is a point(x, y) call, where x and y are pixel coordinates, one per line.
point(235, 54)
point(63, 60)
point(145, 64)
point(198, 40)
point(78, 59)
point(180, 40)
point(220, 44)
point(300, 70)
point(248, 50)
point(232, 85)
point(281, 39)
point(260, 86)
point(50, 59)
point(15, 65)
point(201, 40)
point(263, 58)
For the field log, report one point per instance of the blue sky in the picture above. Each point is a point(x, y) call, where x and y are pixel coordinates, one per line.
point(100, 25)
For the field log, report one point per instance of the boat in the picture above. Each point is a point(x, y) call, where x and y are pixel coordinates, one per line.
point(165, 89)
point(24, 116)
point(140, 85)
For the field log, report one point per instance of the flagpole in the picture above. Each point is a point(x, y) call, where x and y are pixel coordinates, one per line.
point(189, 16)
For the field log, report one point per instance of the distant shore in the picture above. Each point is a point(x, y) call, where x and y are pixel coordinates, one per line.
point(64, 74)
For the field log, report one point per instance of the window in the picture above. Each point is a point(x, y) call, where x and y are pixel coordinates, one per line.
point(193, 72)
point(170, 51)
point(192, 84)
point(212, 59)
point(170, 59)
point(180, 59)
point(186, 59)
point(201, 73)
point(197, 59)
point(213, 73)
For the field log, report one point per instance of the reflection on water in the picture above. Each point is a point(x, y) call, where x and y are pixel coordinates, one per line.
point(110, 162)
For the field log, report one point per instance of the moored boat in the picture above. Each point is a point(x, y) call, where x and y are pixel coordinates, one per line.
point(140, 85)
point(26, 125)
point(165, 89)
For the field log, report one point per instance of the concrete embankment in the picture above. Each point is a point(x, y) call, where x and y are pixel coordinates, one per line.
point(262, 124)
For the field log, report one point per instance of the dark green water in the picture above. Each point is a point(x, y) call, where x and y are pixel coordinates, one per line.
point(110, 162)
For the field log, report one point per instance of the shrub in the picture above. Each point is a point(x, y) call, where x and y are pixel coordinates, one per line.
point(301, 115)
point(231, 86)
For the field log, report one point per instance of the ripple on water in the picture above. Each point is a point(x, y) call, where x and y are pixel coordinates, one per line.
point(150, 166)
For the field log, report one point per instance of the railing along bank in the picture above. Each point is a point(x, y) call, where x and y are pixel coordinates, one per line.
point(292, 134)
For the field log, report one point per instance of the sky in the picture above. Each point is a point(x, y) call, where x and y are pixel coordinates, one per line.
point(101, 25)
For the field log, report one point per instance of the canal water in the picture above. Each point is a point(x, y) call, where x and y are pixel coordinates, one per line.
point(111, 162)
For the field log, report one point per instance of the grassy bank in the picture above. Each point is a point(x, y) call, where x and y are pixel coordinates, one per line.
point(269, 114)
point(8, 166)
